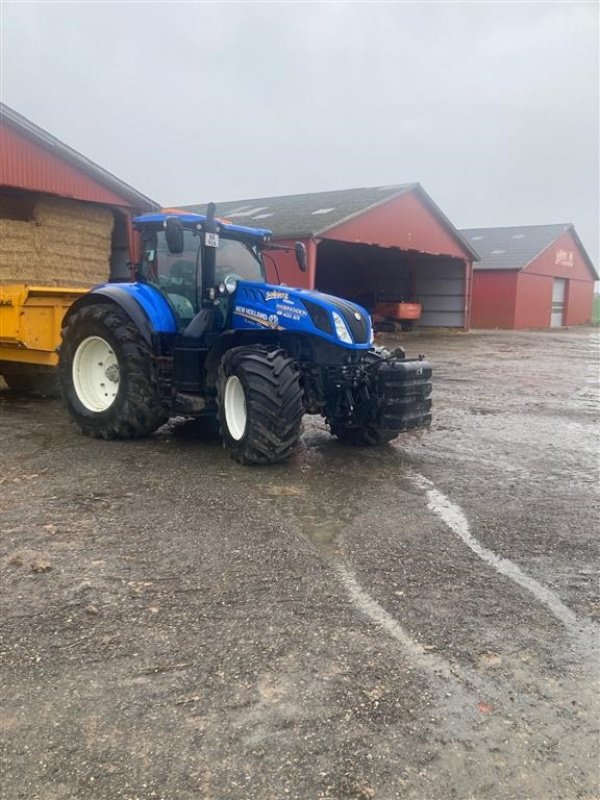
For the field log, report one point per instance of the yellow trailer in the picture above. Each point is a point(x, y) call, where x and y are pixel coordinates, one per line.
point(30, 324)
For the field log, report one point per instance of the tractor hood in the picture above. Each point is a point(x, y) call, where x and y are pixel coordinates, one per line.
point(260, 305)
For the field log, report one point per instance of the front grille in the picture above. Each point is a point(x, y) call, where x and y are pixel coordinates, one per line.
point(359, 328)
point(319, 316)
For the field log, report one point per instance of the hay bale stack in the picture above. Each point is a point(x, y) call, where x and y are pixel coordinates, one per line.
point(17, 248)
point(67, 243)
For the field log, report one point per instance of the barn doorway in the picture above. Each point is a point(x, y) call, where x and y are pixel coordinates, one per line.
point(370, 275)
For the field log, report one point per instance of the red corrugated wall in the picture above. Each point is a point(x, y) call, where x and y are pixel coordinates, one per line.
point(580, 299)
point(26, 165)
point(534, 301)
point(493, 299)
point(406, 222)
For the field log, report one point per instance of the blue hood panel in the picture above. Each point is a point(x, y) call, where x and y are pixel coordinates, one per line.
point(266, 306)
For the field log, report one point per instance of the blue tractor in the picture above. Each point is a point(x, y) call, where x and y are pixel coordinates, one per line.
point(198, 332)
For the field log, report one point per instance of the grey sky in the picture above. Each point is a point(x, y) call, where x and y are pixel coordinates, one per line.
point(493, 107)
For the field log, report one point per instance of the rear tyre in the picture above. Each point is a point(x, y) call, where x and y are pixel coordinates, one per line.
point(363, 437)
point(260, 404)
point(107, 375)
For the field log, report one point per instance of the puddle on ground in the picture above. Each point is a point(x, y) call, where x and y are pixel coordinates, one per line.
point(327, 486)
point(327, 536)
point(285, 491)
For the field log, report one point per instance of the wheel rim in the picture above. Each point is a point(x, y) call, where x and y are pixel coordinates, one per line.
point(235, 407)
point(96, 374)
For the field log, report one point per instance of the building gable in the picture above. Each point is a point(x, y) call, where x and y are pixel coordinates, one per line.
point(408, 222)
point(563, 258)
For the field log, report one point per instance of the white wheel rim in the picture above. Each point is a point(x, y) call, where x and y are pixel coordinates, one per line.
point(235, 407)
point(96, 374)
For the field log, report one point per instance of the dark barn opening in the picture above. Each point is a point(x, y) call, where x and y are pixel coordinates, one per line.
point(369, 274)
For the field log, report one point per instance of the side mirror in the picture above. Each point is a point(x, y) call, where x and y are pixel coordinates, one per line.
point(300, 250)
point(174, 235)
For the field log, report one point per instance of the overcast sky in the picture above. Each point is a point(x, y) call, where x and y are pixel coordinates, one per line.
point(493, 107)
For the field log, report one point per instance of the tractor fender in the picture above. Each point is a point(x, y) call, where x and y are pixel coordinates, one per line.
point(145, 306)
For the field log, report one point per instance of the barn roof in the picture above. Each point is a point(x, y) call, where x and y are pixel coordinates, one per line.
point(516, 247)
point(309, 215)
point(62, 151)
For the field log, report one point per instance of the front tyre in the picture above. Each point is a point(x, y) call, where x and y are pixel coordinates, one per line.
point(107, 375)
point(260, 404)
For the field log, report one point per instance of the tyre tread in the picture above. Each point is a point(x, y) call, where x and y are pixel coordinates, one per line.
point(274, 400)
point(139, 413)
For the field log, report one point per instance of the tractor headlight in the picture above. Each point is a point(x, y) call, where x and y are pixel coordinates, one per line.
point(230, 283)
point(341, 328)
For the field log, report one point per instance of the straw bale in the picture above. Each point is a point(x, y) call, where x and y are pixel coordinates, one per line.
point(66, 243)
point(17, 264)
point(17, 247)
point(14, 231)
point(67, 238)
point(55, 211)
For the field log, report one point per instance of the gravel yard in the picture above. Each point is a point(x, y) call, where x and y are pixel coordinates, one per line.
point(416, 622)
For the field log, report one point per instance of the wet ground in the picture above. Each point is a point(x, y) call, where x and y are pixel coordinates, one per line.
point(416, 622)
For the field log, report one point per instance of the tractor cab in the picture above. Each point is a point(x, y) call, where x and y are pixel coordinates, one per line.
point(189, 256)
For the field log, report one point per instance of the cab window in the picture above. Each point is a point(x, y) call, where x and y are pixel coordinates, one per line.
point(175, 275)
point(235, 258)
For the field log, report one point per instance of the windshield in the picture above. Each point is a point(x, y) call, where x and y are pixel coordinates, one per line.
point(236, 258)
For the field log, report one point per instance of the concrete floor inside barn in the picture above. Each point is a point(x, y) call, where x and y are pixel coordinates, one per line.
point(415, 622)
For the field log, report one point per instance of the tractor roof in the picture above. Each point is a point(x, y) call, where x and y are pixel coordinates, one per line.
point(188, 219)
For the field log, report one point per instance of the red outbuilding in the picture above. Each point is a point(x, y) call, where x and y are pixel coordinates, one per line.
point(533, 276)
point(34, 166)
point(382, 245)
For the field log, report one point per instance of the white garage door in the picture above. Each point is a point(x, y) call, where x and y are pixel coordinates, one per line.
point(559, 292)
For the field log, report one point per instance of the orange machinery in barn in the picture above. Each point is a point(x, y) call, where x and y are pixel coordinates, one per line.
point(389, 316)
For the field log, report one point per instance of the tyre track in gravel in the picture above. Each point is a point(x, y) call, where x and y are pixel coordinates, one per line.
point(454, 518)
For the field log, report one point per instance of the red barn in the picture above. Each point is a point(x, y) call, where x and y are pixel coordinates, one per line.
point(371, 245)
point(58, 209)
point(533, 276)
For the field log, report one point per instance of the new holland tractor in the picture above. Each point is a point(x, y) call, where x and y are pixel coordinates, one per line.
point(198, 332)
